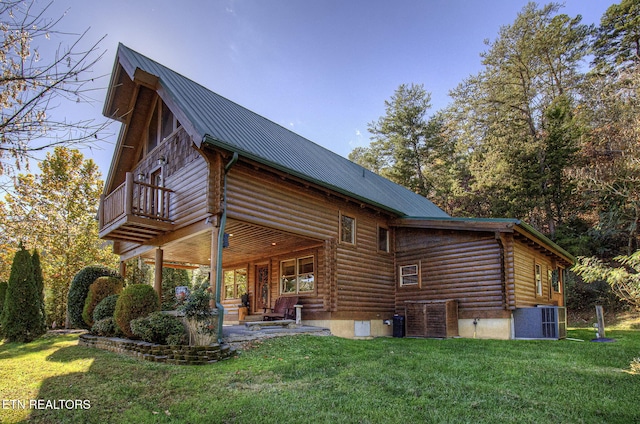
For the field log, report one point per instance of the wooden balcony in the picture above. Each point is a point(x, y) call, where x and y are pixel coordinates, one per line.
point(135, 212)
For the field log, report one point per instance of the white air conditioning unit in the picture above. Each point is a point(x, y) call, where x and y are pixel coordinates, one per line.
point(541, 322)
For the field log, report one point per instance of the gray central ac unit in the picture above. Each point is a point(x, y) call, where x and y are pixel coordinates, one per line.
point(541, 322)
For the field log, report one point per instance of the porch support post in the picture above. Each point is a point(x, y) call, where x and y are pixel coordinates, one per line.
point(123, 269)
point(128, 196)
point(157, 283)
point(215, 230)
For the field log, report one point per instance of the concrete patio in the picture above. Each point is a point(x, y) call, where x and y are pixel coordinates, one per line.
point(237, 335)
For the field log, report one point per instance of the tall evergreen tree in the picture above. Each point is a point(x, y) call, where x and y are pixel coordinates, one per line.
point(508, 115)
point(617, 47)
point(611, 149)
point(21, 317)
point(39, 280)
point(407, 146)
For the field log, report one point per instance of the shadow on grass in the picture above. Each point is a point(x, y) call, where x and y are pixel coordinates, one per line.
point(112, 388)
point(15, 350)
point(327, 380)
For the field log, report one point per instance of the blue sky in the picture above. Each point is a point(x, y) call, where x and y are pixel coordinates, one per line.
point(322, 68)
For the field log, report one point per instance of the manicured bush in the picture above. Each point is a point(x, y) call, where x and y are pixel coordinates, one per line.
point(21, 319)
point(101, 288)
point(178, 339)
point(157, 328)
point(79, 290)
point(105, 308)
point(135, 301)
point(106, 327)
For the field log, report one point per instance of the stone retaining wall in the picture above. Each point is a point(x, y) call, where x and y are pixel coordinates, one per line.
point(179, 355)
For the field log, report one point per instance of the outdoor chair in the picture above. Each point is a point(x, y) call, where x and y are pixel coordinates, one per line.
point(283, 309)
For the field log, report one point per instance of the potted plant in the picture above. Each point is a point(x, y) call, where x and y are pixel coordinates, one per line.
point(243, 307)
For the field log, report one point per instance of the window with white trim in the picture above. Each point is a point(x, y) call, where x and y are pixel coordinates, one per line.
point(409, 275)
point(297, 275)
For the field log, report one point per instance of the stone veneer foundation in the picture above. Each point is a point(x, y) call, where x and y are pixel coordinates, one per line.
point(173, 354)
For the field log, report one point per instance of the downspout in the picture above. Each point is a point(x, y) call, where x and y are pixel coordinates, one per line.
point(223, 222)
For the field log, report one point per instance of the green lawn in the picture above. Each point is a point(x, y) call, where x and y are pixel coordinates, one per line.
point(327, 379)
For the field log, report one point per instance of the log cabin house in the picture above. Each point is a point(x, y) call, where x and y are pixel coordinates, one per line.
point(197, 179)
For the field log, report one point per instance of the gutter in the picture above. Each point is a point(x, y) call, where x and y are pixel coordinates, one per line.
point(223, 222)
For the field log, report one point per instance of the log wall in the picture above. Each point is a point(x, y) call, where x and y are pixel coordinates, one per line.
point(185, 173)
point(525, 258)
point(464, 266)
point(350, 277)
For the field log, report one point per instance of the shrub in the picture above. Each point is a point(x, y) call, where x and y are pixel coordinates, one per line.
point(157, 328)
point(101, 288)
point(177, 339)
point(21, 316)
point(106, 327)
point(79, 290)
point(172, 278)
point(196, 306)
point(105, 308)
point(39, 281)
point(3, 291)
point(135, 301)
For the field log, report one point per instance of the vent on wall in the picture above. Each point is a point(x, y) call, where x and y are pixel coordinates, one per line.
point(431, 318)
point(542, 322)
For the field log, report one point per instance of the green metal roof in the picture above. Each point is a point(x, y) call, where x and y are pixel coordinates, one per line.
point(223, 123)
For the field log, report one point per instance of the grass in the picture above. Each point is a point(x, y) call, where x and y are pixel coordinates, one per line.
point(332, 380)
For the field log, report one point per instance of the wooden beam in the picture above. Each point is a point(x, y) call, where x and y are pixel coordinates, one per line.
point(455, 224)
point(157, 282)
point(146, 79)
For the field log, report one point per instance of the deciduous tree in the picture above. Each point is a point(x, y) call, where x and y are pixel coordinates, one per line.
point(54, 211)
point(34, 83)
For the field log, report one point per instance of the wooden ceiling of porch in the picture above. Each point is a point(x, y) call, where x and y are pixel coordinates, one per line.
point(247, 242)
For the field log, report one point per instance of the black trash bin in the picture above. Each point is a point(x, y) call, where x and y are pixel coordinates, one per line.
point(398, 326)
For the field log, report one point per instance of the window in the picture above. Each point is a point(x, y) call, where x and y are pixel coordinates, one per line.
point(235, 283)
point(538, 280)
point(409, 275)
point(383, 239)
point(161, 125)
point(297, 275)
point(347, 229)
point(556, 280)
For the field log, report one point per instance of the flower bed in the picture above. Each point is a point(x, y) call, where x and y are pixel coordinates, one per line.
point(172, 354)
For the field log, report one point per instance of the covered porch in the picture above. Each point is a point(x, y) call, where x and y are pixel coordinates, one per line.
point(252, 258)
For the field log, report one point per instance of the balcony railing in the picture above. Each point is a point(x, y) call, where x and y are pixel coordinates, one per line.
point(135, 211)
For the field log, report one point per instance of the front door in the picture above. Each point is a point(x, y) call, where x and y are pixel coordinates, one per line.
point(261, 288)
